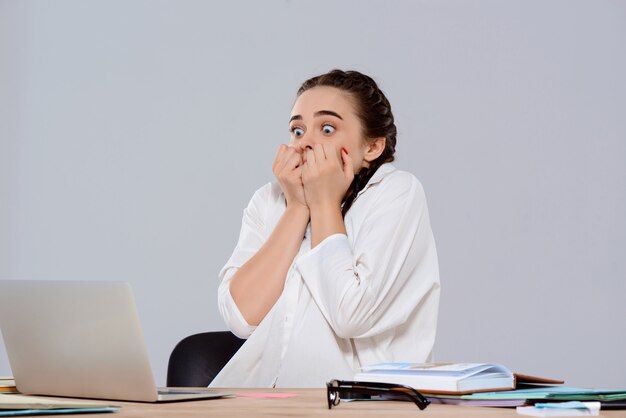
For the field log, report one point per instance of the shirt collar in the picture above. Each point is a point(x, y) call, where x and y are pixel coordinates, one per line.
point(380, 174)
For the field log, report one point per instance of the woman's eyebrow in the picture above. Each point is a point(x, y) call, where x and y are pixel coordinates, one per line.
point(318, 113)
point(329, 113)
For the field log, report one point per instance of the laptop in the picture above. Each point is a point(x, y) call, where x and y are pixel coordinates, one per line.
point(80, 339)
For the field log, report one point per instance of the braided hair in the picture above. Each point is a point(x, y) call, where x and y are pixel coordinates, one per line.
point(374, 112)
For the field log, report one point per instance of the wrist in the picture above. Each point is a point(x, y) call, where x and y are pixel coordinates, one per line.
point(298, 209)
point(325, 210)
point(326, 220)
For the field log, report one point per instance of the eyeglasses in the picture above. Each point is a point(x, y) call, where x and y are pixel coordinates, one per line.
point(335, 388)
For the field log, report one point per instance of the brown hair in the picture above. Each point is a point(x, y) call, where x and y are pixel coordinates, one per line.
point(374, 112)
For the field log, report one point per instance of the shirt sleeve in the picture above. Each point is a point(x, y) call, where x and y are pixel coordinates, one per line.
point(375, 283)
point(251, 238)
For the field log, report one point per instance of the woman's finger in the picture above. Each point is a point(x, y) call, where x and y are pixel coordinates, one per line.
point(288, 157)
point(293, 161)
point(311, 161)
point(348, 170)
point(278, 159)
point(320, 155)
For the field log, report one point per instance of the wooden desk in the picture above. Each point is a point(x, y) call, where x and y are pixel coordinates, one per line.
point(309, 403)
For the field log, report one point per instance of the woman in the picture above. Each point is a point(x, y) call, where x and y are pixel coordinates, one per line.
point(362, 286)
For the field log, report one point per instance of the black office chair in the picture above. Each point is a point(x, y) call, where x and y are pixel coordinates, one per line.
point(197, 359)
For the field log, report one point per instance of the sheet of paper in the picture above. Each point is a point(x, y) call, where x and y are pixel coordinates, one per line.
point(561, 409)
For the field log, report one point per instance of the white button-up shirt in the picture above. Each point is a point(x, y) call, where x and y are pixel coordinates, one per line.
point(366, 297)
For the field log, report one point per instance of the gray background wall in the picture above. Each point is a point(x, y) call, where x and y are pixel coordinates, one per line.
point(134, 133)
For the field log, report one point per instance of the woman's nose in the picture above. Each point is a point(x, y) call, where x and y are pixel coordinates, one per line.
point(305, 142)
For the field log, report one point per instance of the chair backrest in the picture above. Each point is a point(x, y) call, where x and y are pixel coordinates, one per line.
point(197, 359)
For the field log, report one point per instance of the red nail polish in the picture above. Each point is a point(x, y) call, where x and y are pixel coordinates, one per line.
point(345, 150)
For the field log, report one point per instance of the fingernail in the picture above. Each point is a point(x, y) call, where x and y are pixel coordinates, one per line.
point(345, 150)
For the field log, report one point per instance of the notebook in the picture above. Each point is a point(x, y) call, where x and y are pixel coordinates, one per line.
point(80, 339)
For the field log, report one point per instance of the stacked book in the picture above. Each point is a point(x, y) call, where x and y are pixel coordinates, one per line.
point(7, 385)
point(483, 384)
point(13, 404)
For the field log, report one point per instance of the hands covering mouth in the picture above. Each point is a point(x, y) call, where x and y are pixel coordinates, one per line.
point(315, 177)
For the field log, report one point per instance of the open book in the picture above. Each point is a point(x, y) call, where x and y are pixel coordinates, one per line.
point(449, 378)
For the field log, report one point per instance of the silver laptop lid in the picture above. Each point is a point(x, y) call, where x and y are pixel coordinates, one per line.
point(79, 339)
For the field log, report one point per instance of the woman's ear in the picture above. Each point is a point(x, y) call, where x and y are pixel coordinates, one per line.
point(375, 147)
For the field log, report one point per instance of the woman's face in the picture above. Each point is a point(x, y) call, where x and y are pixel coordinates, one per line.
point(327, 115)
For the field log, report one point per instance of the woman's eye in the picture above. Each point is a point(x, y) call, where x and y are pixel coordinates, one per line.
point(297, 132)
point(328, 129)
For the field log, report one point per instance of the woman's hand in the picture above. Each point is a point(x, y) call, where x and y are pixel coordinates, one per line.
point(287, 168)
point(326, 177)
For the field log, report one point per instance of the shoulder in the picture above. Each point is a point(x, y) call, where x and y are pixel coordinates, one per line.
point(266, 200)
point(268, 193)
